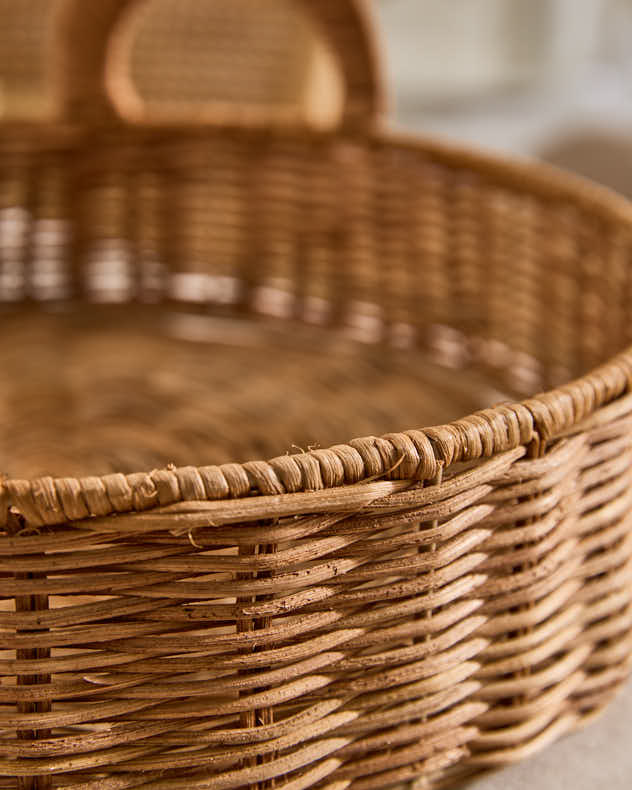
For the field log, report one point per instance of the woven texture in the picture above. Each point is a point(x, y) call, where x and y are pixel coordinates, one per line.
point(24, 57)
point(197, 59)
point(414, 606)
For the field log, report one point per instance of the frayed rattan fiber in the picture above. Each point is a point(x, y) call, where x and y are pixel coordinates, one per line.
point(411, 607)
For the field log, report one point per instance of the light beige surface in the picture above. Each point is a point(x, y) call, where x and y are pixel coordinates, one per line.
point(597, 758)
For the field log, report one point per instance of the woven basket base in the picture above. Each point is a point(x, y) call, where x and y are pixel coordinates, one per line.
point(106, 390)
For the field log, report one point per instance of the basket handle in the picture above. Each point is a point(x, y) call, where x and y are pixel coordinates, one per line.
point(86, 36)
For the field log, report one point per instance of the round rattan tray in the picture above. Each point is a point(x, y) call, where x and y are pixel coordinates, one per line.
point(416, 605)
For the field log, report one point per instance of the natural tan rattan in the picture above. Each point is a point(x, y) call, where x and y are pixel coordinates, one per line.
point(200, 59)
point(414, 606)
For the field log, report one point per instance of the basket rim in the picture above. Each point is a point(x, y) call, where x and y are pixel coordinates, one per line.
point(398, 460)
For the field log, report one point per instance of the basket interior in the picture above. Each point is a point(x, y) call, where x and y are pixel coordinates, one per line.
point(113, 392)
point(208, 296)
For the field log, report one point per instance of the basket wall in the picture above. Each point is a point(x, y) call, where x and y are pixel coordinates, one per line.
point(197, 59)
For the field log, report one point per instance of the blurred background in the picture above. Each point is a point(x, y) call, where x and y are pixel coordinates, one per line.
point(546, 78)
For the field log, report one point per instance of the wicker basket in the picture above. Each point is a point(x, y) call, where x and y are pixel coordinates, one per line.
point(416, 605)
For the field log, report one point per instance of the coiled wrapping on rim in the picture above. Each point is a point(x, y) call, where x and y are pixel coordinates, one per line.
point(414, 455)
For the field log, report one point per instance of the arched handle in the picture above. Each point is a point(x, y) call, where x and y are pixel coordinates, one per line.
point(86, 41)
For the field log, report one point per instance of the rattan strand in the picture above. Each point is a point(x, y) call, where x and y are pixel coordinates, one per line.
point(412, 607)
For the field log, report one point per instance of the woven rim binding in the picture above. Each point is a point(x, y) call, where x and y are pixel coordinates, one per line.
point(312, 481)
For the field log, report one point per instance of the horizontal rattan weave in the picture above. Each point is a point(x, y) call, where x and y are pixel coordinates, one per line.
point(195, 59)
point(410, 607)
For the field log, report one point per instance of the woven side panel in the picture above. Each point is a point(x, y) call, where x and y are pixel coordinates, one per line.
point(205, 57)
point(233, 52)
point(313, 62)
point(27, 682)
point(25, 50)
point(454, 626)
